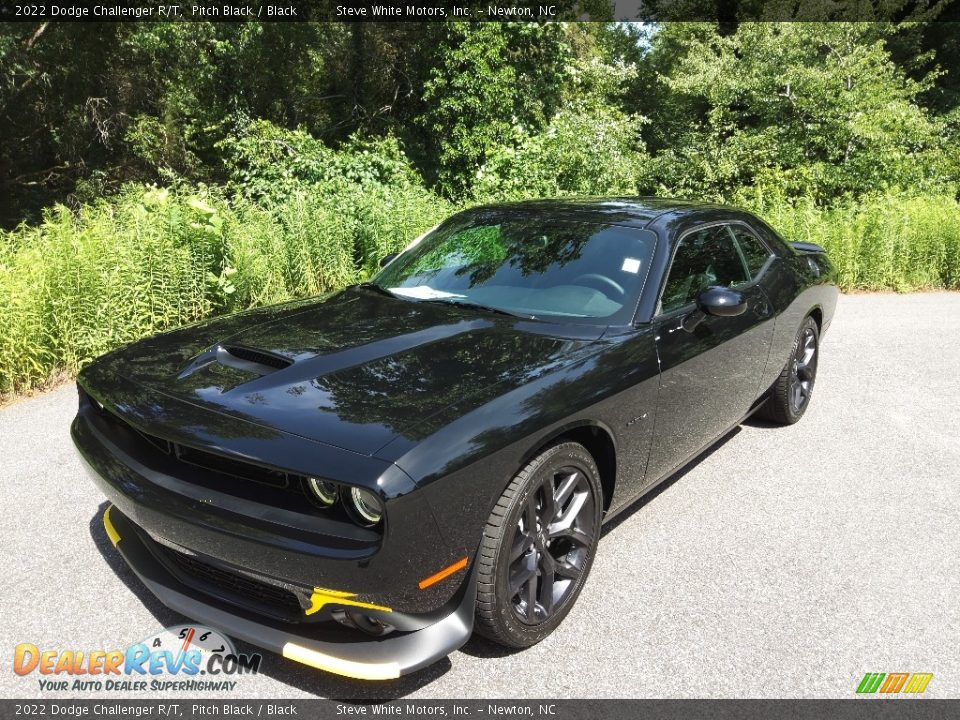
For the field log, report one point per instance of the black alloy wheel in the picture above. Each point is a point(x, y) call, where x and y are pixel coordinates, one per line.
point(790, 395)
point(550, 544)
point(538, 546)
point(804, 370)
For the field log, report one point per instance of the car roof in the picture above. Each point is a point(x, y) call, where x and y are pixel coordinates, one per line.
point(630, 211)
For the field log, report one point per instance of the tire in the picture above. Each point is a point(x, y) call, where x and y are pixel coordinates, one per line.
point(791, 393)
point(565, 530)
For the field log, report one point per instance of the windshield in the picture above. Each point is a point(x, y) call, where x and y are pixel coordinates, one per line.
point(582, 272)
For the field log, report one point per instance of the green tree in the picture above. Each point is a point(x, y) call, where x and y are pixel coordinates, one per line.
point(589, 147)
point(806, 109)
point(487, 78)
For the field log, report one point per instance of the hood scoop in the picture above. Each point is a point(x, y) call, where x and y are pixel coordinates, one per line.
point(244, 358)
point(251, 360)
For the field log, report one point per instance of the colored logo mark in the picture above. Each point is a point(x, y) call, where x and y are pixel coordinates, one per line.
point(894, 683)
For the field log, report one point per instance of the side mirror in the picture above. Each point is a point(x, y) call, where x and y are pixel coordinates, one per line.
point(387, 259)
point(721, 301)
point(716, 301)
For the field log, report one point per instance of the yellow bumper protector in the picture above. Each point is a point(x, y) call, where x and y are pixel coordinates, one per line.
point(322, 596)
point(108, 526)
point(339, 666)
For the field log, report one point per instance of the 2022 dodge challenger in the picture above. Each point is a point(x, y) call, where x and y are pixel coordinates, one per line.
point(360, 481)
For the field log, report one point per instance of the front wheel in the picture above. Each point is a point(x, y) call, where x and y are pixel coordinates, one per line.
point(790, 394)
point(538, 546)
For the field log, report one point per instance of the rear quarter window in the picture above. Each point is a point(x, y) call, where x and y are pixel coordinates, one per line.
point(755, 253)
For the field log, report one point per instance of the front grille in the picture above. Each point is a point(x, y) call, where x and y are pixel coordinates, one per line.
point(235, 588)
point(222, 464)
point(228, 466)
point(220, 473)
point(159, 443)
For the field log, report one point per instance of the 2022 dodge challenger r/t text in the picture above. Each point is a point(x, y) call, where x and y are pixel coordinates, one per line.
point(360, 481)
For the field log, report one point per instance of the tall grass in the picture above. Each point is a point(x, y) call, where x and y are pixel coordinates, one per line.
point(887, 242)
point(78, 285)
point(81, 283)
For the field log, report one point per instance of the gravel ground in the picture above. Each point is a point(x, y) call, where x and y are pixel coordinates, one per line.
point(787, 562)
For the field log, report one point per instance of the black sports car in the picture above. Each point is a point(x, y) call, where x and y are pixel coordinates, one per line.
point(360, 481)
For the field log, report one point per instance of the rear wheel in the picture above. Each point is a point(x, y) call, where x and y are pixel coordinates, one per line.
point(538, 546)
point(790, 394)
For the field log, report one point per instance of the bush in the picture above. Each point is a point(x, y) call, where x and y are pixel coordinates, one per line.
point(589, 146)
point(320, 239)
point(270, 164)
point(582, 152)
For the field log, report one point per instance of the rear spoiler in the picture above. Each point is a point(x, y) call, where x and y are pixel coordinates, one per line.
point(805, 248)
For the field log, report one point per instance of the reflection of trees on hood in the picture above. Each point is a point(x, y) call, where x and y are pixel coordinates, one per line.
point(145, 408)
point(401, 392)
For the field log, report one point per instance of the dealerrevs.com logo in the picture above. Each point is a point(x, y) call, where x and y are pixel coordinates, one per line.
point(191, 658)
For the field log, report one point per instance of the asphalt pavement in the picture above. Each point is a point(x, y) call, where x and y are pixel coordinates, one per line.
point(786, 562)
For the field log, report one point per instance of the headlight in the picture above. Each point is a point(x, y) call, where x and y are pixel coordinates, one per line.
point(365, 507)
point(362, 506)
point(324, 491)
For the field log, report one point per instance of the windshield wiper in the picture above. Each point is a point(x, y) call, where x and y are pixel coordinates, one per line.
point(478, 306)
point(443, 301)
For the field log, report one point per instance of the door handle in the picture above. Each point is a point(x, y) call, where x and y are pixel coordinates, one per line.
point(762, 306)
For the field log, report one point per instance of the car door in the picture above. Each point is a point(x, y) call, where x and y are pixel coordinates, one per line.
point(708, 374)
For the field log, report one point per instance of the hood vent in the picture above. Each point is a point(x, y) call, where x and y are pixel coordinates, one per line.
point(251, 360)
point(259, 357)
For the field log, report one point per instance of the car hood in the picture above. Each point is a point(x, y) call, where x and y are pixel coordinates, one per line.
point(354, 370)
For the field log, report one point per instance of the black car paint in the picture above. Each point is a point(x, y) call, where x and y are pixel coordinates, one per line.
point(433, 407)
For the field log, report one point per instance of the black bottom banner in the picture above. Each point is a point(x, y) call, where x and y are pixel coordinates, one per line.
point(854, 709)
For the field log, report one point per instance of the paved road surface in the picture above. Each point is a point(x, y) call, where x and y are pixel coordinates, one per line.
point(786, 563)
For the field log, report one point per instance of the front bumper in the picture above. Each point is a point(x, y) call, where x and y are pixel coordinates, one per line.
point(168, 499)
point(371, 658)
point(253, 570)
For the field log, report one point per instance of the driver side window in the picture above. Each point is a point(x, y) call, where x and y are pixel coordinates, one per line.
point(703, 258)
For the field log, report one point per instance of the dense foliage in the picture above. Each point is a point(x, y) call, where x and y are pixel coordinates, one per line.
point(152, 174)
point(812, 110)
